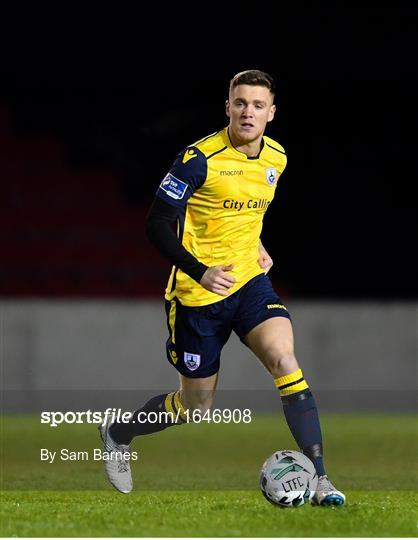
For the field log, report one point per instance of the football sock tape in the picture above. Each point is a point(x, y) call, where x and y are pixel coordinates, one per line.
point(292, 383)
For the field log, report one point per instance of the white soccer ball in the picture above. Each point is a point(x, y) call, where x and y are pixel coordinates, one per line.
point(288, 478)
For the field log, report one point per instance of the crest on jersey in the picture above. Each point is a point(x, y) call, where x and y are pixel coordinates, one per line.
point(192, 361)
point(271, 175)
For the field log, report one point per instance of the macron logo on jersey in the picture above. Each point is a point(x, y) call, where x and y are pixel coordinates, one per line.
point(174, 187)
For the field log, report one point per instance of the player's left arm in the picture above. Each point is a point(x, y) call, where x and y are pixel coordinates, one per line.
point(264, 260)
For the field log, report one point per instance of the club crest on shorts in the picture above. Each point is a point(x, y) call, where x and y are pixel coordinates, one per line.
point(192, 361)
point(271, 175)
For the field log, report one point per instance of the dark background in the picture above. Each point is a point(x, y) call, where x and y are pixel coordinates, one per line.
point(126, 97)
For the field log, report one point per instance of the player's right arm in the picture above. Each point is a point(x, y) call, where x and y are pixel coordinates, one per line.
point(187, 174)
point(216, 279)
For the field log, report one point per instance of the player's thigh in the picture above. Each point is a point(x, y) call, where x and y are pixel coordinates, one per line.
point(263, 324)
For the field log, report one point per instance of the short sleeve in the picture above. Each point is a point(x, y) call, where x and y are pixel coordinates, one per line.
point(186, 175)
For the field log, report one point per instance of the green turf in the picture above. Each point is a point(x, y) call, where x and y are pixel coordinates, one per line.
point(201, 480)
point(197, 513)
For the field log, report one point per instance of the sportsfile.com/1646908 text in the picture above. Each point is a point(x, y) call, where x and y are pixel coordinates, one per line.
point(215, 416)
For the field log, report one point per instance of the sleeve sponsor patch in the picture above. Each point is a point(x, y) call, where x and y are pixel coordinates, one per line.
point(174, 187)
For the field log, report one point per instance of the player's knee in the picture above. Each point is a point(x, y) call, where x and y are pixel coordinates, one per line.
point(280, 359)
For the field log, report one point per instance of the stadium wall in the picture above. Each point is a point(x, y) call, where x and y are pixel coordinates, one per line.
point(356, 356)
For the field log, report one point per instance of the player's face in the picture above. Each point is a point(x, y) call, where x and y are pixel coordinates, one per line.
point(249, 108)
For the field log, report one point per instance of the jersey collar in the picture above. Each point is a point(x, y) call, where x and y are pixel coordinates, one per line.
point(241, 154)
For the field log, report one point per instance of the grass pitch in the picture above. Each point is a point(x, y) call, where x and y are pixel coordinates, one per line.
point(202, 480)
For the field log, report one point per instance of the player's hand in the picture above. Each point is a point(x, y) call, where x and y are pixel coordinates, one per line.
point(264, 260)
point(216, 279)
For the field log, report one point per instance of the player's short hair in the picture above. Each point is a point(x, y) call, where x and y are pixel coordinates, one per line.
point(253, 77)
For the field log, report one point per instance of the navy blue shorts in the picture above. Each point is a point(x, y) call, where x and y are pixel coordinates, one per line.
point(197, 334)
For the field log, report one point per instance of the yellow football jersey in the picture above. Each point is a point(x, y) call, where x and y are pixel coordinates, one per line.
point(222, 196)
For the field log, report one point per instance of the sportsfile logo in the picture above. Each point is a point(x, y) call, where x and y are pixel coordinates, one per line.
point(111, 415)
point(55, 418)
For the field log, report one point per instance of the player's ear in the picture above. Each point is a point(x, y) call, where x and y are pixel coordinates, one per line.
point(272, 113)
point(227, 108)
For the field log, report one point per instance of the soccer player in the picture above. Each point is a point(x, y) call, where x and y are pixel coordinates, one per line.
point(215, 195)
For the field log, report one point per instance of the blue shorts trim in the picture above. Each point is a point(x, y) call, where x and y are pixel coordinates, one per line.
point(198, 334)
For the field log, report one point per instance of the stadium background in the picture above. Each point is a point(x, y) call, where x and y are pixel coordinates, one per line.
point(91, 116)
